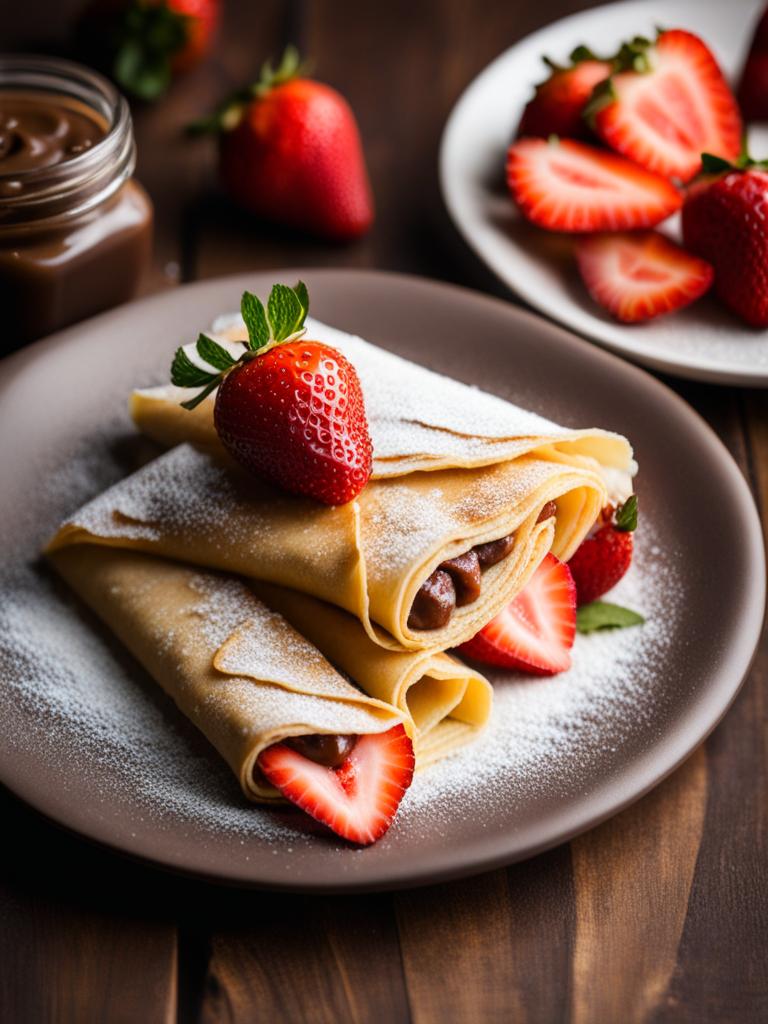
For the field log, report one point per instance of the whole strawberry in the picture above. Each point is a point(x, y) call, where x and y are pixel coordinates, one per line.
point(559, 101)
point(290, 152)
point(725, 221)
point(143, 43)
point(288, 409)
point(753, 87)
point(603, 558)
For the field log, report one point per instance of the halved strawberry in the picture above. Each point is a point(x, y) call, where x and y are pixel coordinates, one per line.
point(563, 185)
point(603, 558)
point(667, 104)
point(559, 102)
point(358, 800)
point(535, 632)
point(640, 275)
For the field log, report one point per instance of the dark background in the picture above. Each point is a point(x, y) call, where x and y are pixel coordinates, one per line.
point(659, 915)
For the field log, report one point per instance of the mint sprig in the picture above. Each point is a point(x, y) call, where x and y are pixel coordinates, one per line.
point(604, 615)
point(282, 320)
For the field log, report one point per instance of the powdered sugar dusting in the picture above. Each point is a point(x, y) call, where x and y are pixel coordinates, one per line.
point(416, 415)
point(563, 727)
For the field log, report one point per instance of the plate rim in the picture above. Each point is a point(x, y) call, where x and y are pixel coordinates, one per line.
point(686, 367)
point(699, 720)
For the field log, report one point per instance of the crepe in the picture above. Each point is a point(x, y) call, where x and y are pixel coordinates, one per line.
point(234, 667)
point(368, 557)
point(429, 686)
point(418, 420)
point(453, 468)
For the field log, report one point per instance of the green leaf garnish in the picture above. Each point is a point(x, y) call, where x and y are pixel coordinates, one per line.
point(185, 374)
point(626, 515)
point(255, 318)
point(284, 311)
point(283, 320)
point(603, 615)
point(213, 353)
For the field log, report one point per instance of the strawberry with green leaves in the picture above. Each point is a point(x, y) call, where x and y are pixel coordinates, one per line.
point(725, 221)
point(144, 43)
point(603, 558)
point(290, 152)
point(287, 409)
point(559, 101)
point(665, 104)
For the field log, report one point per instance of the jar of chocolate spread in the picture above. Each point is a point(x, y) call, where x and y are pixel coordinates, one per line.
point(75, 228)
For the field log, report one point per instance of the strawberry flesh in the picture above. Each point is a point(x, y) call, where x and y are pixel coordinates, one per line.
point(569, 186)
point(665, 117)
point(358, 800)
point(640, 275)
point(535, 632)
point(296, 416)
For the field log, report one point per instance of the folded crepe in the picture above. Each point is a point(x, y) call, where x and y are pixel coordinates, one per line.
point(454, 468)
point(418, 420)
point(369, 557)
point(237, 669)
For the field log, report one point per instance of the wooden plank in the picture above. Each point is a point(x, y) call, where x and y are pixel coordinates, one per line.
point(80, 938)
point(723, 959)
point(491, 948)
point(632, 880)
point(305, 959)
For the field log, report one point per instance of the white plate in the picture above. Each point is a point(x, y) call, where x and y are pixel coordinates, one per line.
point(703, 342)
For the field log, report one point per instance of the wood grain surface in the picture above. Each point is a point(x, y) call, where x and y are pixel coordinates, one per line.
point(660, 915)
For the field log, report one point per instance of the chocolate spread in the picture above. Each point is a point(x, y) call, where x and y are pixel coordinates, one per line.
point(75, 228)
point(331, 751)
point(40, 129)
point(457, 581)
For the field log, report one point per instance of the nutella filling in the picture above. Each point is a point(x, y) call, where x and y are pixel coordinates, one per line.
point(457, 581)
point(434, 602)
point(331, 751)
point(39, 129)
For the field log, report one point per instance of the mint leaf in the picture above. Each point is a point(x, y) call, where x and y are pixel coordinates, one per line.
point(626, 515)
point(602, 615)
point(303, 296)
point(192, 403)
point(255, 320)
point(185, 374)
point(284, 312)
point(213, 353)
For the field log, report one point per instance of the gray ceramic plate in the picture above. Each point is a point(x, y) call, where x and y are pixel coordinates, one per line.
point(90, 742)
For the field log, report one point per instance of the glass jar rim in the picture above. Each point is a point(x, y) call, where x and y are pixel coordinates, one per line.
point(73, 186)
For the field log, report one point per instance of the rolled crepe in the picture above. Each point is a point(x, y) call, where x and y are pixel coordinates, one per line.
point(237, 669)
point(369, 557)
point(429, 686)
point(418, 420)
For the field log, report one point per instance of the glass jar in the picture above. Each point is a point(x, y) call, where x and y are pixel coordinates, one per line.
point(75, 228)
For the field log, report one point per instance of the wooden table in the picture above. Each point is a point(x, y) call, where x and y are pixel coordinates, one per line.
point(659, 915)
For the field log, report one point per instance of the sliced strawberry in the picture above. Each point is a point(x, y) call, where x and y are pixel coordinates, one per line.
point(358, 800)
point(559, 102)
point(601, 560)
point(669, 106)
point(640, 275)
point(535, 632)
point(563, 185)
